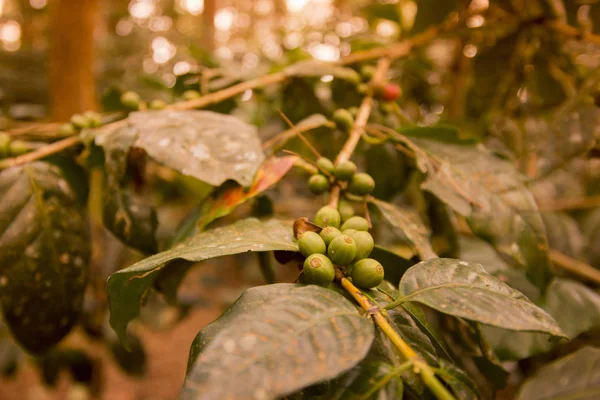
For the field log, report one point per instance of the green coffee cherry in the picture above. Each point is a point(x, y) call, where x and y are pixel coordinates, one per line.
point(346, 209)
point(358, 223)
point(353, 111)
point(311, 243)
point(345, 170)
point(318, 270)
point(363, 88)
point(17, 148)
point(343, 119)
point(325, 164)
point(342, 250)
point(4, 144)
point(361, 184)
point(157, 104)
point(94, 119)
point(191, 94)
point(329, 233)
point(349, 232)
point(318, 184)
point(79, 121)
point(364, 244)
point(131, 100)
point(328, 216)
point(367, 72)
point(66, 129)
point(367, 273)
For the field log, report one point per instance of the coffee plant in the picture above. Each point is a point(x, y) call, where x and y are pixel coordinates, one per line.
point(423, 255)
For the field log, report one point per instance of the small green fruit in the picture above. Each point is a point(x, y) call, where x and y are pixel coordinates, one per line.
point(328, 216)
point(367, 72)
point(364, 244)
point(318, 184)
point(367, 273)
point(157, 104)
point(349, 232)
point(318, 270)
point(345, 170)
point(353, 111)
point(342, 250)
point(363, 88)
point(191, 94)
point(94, 119)
point(131, 100)
point(311, 243)
point(346, 209)
point(358, 223)
point(79, 121)
point(325, 164)
point(66, 129)
point(18, 147)
point(361, 184)
point(343, 119)
point(329, 233)
point(4, 144)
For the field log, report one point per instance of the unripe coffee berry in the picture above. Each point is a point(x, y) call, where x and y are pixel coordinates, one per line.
point(94, 119)
point(311, 243)
point(391, 92)
point(318, 270)
point(18, 147)
point(367, 273)
point(342, 250)
point(66, 129)
point(318, 184)
point(364, 244)
point(353, 111)
point(79, 121)
point(356, 222)
point(345, 170)
point(191, 94)
point(326, 165)
point(4, 144)
point(329, 233)
point(367, 72)
point(346, 209)
point(361, 184)
point(343, 119)
point(131, 100)
point(328, 216)
point(157, 104)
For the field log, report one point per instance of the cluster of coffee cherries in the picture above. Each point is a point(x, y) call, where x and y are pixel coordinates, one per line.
point(347, 246)
point(359, 184)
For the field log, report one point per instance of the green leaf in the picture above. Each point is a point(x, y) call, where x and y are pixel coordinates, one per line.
point(127, 287)
point(463, 387)
point(44, 255)
point(394, 265)
point(491, 194)
point(130, 218)
point(288, 337)
point(573, 377)
point(408, 224)
point(465, 290)
point(575, 307)
point(206, 145)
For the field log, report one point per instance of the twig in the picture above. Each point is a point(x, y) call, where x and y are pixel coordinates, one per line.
point(282, 138)
point(420, 366)
point(358, 127)
point(573, 265)
point(40, 153)
point(576, 203)
point(573, 31)
point(300, 135)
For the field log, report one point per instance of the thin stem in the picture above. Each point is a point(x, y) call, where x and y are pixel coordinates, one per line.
point(300, 135)
point(421, 367)
point(40, 153)
point(574, 266)
point(266, 266)
point(576, 203)
point(573, 31)
point(383, 381)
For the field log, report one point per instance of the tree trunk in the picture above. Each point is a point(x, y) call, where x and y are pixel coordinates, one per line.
point(72, 57)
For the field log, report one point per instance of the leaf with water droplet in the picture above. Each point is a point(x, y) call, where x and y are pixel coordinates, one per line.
point(208, 146)
point(466, 290)
point(127, 287)
point(275, 340)
point(44, 255)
